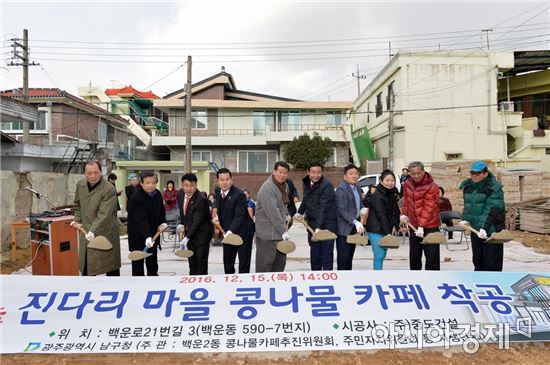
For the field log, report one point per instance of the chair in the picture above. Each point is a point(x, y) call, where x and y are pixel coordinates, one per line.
point(170, 235)
point(449, 216)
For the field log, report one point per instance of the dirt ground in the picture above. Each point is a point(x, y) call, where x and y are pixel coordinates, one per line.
point(540, 242)
point(530, 354)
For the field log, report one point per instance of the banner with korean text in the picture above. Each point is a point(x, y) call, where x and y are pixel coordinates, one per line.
point(292, 311)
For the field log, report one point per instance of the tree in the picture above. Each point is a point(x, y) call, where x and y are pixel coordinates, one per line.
point(304, 149)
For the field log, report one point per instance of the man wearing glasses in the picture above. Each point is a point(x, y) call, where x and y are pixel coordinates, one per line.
point(484, 211)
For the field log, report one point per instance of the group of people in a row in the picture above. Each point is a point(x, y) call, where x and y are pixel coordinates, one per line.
point(340, 210)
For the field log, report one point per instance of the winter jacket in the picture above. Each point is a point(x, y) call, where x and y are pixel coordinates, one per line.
point(96, 210)
point(484, 204)
point(383, 211)
point(145, 214)
point(318, 204)
point(346, 211)
point(170, 198)
point(421, 202)
point(271, 212)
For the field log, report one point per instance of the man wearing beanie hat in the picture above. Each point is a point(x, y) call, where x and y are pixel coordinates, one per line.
point(484, 211)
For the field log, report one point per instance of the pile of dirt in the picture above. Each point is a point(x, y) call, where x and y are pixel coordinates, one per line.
point(540, 242)
point(22, 260)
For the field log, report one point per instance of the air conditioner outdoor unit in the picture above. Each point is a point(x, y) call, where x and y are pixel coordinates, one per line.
point(506, 106)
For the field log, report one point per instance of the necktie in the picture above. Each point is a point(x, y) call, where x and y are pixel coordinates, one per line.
point(223, 195)
point(187, 198)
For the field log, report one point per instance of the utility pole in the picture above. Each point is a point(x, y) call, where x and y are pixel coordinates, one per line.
point(358, 76)
point(487, 36)
point(25, 63)
point(188, 151)
point(391, 131)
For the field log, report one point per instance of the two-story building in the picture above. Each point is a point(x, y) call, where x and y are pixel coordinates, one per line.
point(435, 106)
point(243, 130)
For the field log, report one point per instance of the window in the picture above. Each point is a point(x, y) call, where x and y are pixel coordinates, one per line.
point(332, 159)
point(379, 105)
point(256, 161)
point(201, 156)
point(290, 121)
point(198, 119)
point(334, 117)
point(102, 131)
point(261, 119)
point(38, 126)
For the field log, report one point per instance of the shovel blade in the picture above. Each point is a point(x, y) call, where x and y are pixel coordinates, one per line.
point(357, 239)
point(434, 238)
point(500, 237)
point(184, 254)
point(100, 243)
point(388, 242)
point(286, 246)
point(323, 235)
point(233, 239)
point(138, 255)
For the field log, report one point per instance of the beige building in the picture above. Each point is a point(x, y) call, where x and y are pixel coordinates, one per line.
point(242, 130)
point(435, 106)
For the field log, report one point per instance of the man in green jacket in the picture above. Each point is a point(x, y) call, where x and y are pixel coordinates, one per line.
point(95, 200)
point(484, 211)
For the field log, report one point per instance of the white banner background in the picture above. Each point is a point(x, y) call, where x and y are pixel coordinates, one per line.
point(299, 312)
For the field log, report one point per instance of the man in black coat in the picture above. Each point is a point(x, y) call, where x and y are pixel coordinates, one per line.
point(195, 216)
point(145, 214)
point(319, 207)
point(231, 212)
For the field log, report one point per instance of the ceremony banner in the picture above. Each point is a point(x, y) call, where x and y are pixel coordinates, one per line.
point(291, 311)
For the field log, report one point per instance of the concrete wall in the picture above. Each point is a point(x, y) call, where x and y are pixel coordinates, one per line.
point(17, 203)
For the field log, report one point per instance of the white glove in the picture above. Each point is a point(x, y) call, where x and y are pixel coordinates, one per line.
point(180, 227)
point(463, 223)
point(286, 236)
point(216, 219)
point(419, 232)
point(359, 227)
point(227, 233)
point(317, 230)
point(363, 211)
point(482, 234)
point(163, 226)
point(298, 216)
point(90, 235)
point(403, 218)
point(149, 242)
point(183, 243)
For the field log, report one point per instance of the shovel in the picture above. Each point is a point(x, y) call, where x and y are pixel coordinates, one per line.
point(321, 235)
point(389, 241)
point(184, 254)
point(286, 246)
point(497, 237)
point(97, 243)
point(434, 238)
point(357, 239)
point(230, 239)
point(141, 254)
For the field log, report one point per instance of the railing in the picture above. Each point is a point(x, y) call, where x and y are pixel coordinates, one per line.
point(253, 132)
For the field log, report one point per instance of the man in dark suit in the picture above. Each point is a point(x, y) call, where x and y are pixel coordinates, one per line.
point(349, 209)
point(195, 216)
point(231, 212)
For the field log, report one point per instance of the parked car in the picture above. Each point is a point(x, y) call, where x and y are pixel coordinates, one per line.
point(373, 179)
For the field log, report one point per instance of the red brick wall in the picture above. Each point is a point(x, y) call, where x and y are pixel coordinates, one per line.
point(253, 181)
point(66, 120)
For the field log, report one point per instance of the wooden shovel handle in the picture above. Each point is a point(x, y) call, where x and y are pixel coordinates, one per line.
point(411, 226)
point(80, 228)
point(218, 226)
point(308, 227)
point(469, 228)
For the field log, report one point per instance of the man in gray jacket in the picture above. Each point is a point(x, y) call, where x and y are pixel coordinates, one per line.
point(272, 219)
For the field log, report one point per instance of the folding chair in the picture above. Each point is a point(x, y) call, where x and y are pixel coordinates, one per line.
point(450, 215)
point(170, 235)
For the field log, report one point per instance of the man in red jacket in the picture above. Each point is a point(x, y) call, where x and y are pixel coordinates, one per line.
point(421, 208)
